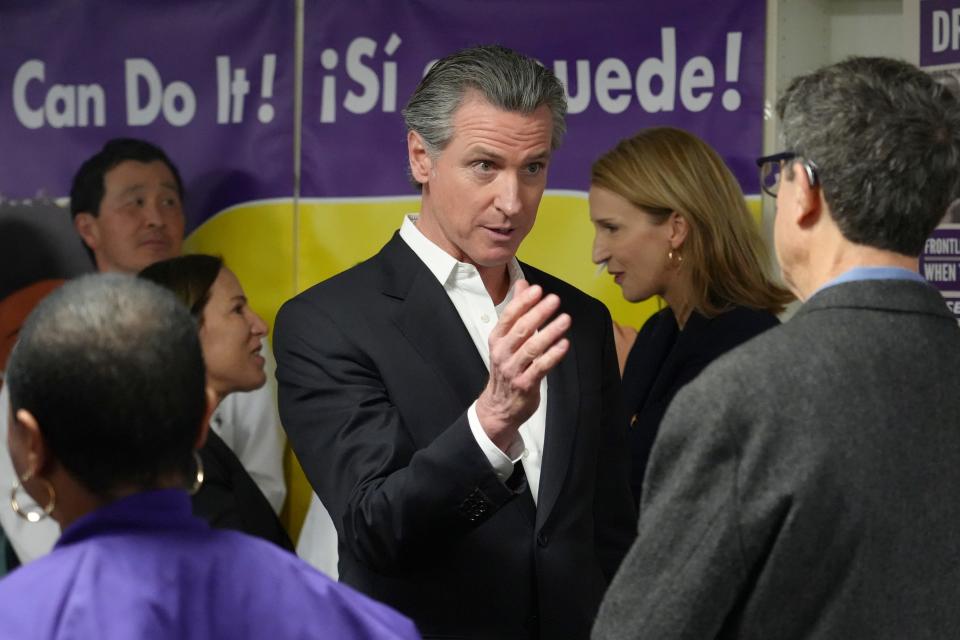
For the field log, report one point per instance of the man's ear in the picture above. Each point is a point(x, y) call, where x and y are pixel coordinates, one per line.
point(31, 449)
point(89, 231)
point(204, 429)
point(807, 199)
point(420, 162)
point(679, 228)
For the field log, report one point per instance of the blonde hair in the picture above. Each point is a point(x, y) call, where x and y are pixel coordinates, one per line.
point(662, 170)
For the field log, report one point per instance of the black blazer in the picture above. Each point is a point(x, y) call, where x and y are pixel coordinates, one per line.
point(230, 499)
point(376, 372)
point(664, 359)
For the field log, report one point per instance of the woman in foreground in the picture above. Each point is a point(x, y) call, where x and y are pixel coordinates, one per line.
point(230, 336)
point(109, 406)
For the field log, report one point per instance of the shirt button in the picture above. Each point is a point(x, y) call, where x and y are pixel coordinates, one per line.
point(485, 318)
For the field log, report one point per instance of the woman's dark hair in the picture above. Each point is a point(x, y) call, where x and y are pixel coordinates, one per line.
point(188, 277)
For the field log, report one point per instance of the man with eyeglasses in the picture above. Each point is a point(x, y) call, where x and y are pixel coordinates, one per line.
point(804, 486)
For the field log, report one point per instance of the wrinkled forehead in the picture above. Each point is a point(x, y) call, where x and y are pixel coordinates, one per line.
point(478, 122)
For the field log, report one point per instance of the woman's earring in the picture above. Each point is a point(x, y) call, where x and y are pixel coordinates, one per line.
point(37, 512)
point(198, 479)
point(675, 258)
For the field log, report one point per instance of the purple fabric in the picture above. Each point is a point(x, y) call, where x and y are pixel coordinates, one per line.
point(939, 37)
point(362, 60)
point(143, 567)
point(140, 59)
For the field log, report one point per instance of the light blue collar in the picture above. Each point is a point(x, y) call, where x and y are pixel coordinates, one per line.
point(871, 273)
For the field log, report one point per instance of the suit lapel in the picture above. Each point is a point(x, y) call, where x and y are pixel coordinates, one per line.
point(658, 354)
point(679, 348)
point(563, 408)
point(430, 323)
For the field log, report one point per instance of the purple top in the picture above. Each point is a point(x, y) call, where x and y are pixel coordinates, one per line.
point(144, 567)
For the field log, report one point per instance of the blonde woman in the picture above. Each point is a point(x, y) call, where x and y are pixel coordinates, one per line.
point(671, 221)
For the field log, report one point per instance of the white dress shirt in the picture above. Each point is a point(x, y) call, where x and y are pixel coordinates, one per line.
point(465, 288)
point(250, 425)
point(318, 538)
point(317, 544)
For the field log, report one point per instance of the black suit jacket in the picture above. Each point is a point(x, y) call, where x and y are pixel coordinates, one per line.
point(376, 372)
point(664, 359)
point(230, 499)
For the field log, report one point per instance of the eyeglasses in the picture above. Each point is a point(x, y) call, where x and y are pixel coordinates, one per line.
point(771, 166)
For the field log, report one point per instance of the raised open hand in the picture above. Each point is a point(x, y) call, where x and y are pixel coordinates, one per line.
point(522, 351)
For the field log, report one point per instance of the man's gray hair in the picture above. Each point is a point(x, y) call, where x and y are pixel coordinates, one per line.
point(506, 79)
point(885, 139)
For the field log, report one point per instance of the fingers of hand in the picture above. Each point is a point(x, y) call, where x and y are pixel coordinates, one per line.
point(535, 350)
point(521, 329)
point(541, 365)
point(525, 297)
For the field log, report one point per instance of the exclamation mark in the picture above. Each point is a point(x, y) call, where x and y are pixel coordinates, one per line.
point(265, 112)
point(223, 89)
point(731, 97)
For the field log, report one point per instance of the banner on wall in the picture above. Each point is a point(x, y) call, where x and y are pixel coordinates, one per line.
point(214, 83)
point(695, 64)
point(939, 29)
point(210, 82)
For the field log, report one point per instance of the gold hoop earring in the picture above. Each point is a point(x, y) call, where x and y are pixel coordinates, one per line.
point(674, 257)
point(198, 479)
point(38, 512)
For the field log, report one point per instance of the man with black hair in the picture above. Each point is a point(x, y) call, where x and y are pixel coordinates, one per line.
point(127, 205)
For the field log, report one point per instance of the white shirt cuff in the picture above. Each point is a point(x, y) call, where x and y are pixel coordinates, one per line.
point(501, 462)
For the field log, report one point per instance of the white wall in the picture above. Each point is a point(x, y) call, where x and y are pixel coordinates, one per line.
point(805, 34)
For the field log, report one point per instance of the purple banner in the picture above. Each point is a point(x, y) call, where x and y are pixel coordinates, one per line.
point(940, 260)
point(939, 32)
point(695, 64)
point(211, 82)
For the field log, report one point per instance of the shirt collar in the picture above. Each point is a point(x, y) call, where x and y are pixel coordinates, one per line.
point(871, 273)
point(444, 267)
point(158, 509)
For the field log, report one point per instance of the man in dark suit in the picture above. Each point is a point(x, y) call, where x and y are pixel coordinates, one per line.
point(804, 486)
point(456, 411)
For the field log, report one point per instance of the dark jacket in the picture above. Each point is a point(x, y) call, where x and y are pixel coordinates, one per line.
point(230, 499)
point(376, 372)
point(664, 359)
